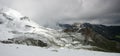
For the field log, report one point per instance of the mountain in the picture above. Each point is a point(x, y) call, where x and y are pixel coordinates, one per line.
point(104, 37)
point(18, 29)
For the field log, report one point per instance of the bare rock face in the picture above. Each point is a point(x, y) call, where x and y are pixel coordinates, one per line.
point(101, 41)
point(104, 37)
point(27, 41)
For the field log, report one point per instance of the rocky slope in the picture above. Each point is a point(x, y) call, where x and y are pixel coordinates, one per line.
point(104, 37)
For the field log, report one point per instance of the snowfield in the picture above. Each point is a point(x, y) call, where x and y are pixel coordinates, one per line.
point(23, 50)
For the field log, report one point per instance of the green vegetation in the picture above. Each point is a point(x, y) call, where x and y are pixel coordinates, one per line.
point(117, 36)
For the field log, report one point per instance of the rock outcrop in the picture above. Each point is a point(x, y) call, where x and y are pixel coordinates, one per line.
point(104, 37)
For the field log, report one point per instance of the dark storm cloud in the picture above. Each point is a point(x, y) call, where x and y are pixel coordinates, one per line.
point(68, 11)
point(113, 18)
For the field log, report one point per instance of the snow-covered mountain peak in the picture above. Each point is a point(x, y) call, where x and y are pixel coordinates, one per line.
point(10, 12)
point(13, 24)
point(15, 20)
point(23, 30)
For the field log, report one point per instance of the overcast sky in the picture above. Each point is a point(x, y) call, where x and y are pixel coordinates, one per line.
point(68, 11)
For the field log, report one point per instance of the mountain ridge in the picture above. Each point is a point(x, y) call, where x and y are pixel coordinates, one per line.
point(98, 35)
point(22, 30)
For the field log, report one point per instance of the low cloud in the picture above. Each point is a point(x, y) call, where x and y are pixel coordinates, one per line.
point(49, 12)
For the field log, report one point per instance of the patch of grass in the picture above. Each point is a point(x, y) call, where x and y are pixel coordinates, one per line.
point(117, 36)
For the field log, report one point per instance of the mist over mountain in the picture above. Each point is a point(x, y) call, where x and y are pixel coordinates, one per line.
point(49, 12)
point(59, 28)
point(19, 29)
